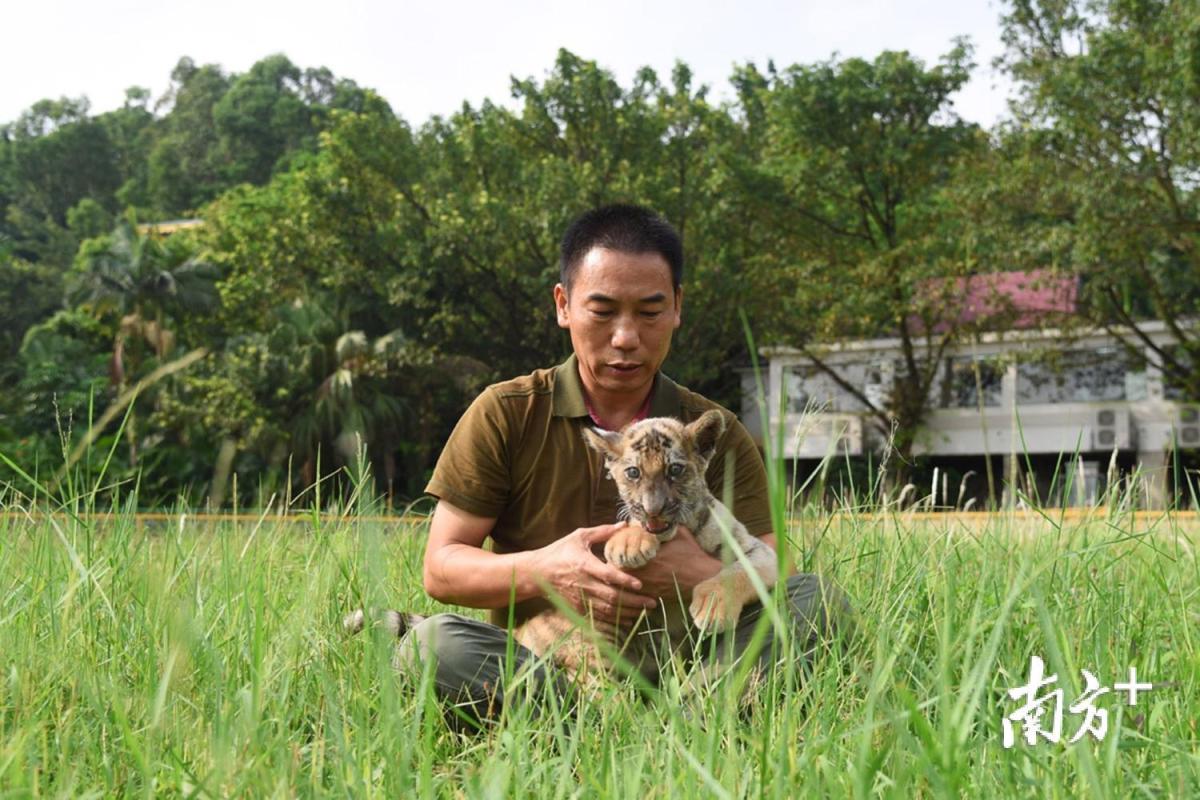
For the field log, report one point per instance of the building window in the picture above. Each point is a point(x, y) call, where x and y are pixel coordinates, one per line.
point(1080, 376)
point(806, 386)
point(794, 388)
point(964, 388)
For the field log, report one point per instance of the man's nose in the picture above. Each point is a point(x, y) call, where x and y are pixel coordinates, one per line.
point(625, 335)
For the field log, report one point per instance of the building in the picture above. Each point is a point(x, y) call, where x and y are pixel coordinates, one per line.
point(1027, 404)
point(167, 227)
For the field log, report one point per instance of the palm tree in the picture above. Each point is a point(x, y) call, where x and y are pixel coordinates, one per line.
point(145, 281)
point(355, 403)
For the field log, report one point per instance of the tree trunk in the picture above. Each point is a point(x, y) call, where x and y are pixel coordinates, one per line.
point(389, 475)
point(221, 470)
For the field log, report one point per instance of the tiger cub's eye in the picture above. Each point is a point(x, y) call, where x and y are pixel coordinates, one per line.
point(633, 473)
point(675, 470)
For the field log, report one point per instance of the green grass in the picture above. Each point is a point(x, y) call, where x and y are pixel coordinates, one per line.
point(198, 660)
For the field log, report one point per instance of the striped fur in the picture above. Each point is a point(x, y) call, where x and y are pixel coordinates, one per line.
point(659, 466)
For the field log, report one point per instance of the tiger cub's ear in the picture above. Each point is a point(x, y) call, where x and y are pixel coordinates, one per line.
point(606, 443)
point(705, 431)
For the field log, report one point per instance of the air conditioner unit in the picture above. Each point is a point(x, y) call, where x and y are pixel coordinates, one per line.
point(1189, 426)
point(1111, 430)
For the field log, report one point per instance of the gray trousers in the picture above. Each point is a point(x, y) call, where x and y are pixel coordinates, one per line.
point(471, 658)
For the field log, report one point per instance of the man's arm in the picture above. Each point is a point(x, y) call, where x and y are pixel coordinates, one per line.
point(681, 564)
point(458, 570)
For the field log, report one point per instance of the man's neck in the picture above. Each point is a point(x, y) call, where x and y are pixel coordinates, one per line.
point(614, 413)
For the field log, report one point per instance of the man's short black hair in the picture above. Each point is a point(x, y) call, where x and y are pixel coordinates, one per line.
point(625, 228)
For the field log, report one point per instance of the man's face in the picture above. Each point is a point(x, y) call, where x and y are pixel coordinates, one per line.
point(621, 312)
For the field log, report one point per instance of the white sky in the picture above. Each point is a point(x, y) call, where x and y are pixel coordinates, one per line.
point(428, 57)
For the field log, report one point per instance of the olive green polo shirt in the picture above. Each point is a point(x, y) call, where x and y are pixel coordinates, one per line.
point(518, 455)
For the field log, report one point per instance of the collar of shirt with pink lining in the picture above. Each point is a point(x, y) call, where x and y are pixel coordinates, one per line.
point(642, 413)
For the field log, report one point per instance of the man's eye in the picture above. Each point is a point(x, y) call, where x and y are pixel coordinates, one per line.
point(601, 314)
point(675, 470)
point(633, 473)
point(651, 314)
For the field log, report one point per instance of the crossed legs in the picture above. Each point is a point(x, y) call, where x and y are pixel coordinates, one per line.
point(470, 657)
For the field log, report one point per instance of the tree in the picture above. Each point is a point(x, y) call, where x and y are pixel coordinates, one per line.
point(59, 371)
point(1110, 131)
point(497, 188)
point(355, 406)
point(144, 282)
point(29, 293)
point(306, 388)
point(706, 154)
point(57, 156)
point(185, 168)
point(58, 170)
point(53, 160)
point(857, 160)
point(222, 130)
point(132, 130)
point(274, 111)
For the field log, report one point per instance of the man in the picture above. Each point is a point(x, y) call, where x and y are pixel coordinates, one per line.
point(516, 469)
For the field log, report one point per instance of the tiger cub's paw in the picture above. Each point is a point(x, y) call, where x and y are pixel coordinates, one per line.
point(714, 607)
point(631, 547)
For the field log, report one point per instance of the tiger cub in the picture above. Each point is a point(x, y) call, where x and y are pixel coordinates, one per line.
point(659, 466)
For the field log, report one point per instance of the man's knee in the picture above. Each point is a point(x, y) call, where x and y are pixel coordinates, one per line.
point(461, 657)
point(448, 642)
point(434, 637)
point(468, 658)
point(820, 609)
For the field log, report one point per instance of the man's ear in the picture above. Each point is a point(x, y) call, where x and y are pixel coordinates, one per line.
point(560, 305)
point(606, 443)
point(678, 306)
point(705, 431)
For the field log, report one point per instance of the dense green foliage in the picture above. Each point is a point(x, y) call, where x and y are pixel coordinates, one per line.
point(863, 188)
point(1109, 154)
point(356, 280)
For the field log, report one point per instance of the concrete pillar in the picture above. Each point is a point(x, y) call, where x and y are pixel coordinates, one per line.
point(1085, 482)
point(752, 403)
point(1152, 471)
point(1010, 480)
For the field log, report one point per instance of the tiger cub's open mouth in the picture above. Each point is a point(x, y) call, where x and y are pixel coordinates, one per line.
point(657, 525)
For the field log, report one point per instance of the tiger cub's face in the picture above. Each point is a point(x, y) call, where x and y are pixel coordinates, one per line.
point(658, 465)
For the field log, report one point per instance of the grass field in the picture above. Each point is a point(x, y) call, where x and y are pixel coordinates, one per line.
point(197, 659)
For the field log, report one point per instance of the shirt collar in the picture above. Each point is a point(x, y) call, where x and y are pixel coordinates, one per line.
point(568, 393)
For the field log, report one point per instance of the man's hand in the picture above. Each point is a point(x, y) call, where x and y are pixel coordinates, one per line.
point(570, 569)
point(679, 565)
